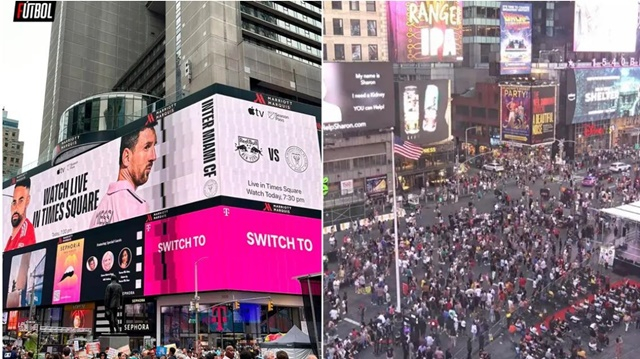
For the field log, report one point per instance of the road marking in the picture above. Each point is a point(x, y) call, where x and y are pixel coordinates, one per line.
point(349, 320)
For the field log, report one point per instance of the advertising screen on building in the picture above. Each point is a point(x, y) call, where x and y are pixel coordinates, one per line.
point(118, 251)
point(515, 114)
point(425, 31)
point(78, 315)
point(272, 248)
point(27, 272)
point(357, 96)
point(601, 26)
point(201, 147)
point(67, 278)
point(543, 109)
point(376, 186)
point(425, 114)
point(602, 93)
point(515, 38)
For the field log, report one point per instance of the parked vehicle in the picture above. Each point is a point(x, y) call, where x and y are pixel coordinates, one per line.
point(619, 167)
point(493, 166)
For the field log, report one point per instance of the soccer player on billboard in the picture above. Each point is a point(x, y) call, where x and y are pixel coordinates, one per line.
point(137, 155)
point(23, 234)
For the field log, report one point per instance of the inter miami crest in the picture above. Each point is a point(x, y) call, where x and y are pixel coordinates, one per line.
point(296, 159)
point(248, 149)
point(210, 188)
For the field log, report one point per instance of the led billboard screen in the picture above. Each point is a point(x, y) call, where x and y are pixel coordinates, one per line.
point(26, 272)
point(515, 114)
point(357, 96)
point(204, 146)
point(515, 38)
point(227, 237)
point(595, 94)
point(543, 109)
point(601, 26)
point(425, 31)
point(425, 114)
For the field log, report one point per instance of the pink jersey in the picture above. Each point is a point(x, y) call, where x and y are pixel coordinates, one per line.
point(120, 203)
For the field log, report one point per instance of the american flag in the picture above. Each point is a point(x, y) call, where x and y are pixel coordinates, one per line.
point(406, 148)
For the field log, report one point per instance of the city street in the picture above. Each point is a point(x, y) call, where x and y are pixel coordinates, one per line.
point(499, 348)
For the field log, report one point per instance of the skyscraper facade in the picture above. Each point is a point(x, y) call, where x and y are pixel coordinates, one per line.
point(173, 49)
point(92, 45)
point(12, 147)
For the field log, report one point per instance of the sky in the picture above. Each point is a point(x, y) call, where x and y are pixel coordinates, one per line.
point(24, 53)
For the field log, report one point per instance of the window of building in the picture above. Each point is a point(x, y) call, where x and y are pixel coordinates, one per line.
point(373, 52)
point(355, 27)
point(493, 13)
point(354, 5)
point(324, 52)
point(371, 6)
point(338, 51)
point(356, 52)
point(493, 113)
point(336, 5)
point(370, 161)
point(478, 112)
point(337, 166)
point(462, 110)
point(338, 27)
point(481, 11)
point(372, 28)
point(466, 12)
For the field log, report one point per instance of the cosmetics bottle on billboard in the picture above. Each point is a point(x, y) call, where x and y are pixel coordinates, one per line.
point(431, 96)
point(411, 106)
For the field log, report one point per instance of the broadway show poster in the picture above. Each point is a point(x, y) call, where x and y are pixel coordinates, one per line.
point(215, 238)
point(515, 114)
point(25, 269)
point(118, 252)
point(543, 103)
point(515, 38)
point(425, 31)
point(67, 279)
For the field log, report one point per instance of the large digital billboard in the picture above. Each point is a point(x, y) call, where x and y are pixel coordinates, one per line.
point(204, 146)
point(26, 273)
point(117, 251)
point(515, 114)
point(543, 109)
point(272, 249)
point(425, 31)
point(357, 96)
point(67, 278)
point(601, 26)
point(425, 113)
point(515, 38)
point(595, 94)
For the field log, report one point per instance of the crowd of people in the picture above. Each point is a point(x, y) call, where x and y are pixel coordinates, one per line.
point(16, 352)
point(468, 275)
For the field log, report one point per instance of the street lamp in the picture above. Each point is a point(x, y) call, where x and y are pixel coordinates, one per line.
point(466, 155)
point(466, 142)
point(196, 304)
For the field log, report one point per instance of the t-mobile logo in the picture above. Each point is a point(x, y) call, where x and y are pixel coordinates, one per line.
point(226, 212)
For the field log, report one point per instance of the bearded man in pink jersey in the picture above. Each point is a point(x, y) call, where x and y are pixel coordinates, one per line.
point(137, 155)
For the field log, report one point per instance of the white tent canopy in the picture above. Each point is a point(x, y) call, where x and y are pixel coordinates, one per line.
point(629, 211)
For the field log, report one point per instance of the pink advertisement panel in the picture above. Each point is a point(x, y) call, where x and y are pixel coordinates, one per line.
point(245, 250)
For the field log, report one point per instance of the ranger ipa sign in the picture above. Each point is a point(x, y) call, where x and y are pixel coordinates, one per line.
point(425, 31)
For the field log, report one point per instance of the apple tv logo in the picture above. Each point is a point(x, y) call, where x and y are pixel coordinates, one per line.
point(255, 112)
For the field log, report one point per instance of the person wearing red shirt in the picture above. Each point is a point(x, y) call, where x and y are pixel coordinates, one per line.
point(23, 234)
